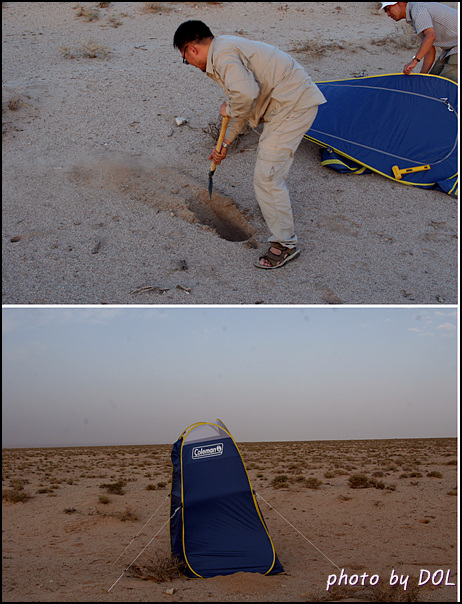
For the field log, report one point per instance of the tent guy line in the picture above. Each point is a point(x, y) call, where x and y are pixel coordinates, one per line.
point(221, 529)
point(142, 528)
point(144, 549)
point(296, 529)
point(169, 519)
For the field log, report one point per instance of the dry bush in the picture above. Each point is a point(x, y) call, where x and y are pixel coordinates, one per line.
point(281, 481)
point(359, 481)
point(163, 569)
point(93, 49)
point(128, 516)
point(116, 488)
point(404, 38)
point(156, 7)
point(44, 490)
point(335, 594)
point(15, 101)
point(16, 494)
point(156, 487)
point(395, 593)
point(69, 510)
point(87, 14)
point(313, 483)
point(318, 47)
point(90, 50)
point(434, 474)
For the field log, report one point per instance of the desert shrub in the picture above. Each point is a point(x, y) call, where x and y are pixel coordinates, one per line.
point(378, 484)
point(164, 568)
point(403, 38)
point(16, 101)
point(15, 496)
point(156, 487)
point(86, 13)
point(359, 481)
point(116, 488)
point(395, 593)
point(156, 7)
point(280, 481)
point(128, 516)
point(434, 474)
point(89, 50)
point(70, 510)
point(313, 483)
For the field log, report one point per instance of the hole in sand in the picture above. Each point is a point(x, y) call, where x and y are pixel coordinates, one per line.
point(167, 190)
point(221, 215)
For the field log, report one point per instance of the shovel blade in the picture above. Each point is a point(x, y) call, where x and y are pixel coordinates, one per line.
point(210, 184)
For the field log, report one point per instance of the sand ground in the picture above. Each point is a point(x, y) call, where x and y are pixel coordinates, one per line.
point(104, 196)
point(72, 539)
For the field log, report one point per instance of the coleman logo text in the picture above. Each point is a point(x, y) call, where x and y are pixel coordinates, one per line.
point(207, 451)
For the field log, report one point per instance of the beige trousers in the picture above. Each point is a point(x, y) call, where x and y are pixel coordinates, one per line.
point(278, 143)
point(448, 68)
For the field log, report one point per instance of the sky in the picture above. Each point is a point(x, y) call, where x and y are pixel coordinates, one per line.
point(127, 376)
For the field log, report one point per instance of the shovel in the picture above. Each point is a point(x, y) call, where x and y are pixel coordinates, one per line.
point(221, 138)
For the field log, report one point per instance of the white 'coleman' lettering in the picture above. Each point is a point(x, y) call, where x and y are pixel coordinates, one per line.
point(207, 451)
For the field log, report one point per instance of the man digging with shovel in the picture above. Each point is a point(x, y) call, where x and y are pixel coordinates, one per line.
point(261, 84)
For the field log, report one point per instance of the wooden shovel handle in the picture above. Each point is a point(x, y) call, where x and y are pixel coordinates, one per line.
point(221, 138)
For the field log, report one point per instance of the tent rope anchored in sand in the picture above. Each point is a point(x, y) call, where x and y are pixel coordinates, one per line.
point(216, 525)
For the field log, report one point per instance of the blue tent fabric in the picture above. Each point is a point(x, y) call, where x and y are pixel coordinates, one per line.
point(219, 529)
point(392, 120)
point(333, 160)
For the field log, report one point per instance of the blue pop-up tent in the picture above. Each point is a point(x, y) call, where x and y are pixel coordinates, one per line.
point(404, 127)
point(216, 525)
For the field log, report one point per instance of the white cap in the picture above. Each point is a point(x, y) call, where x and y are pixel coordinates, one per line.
point(384, 4)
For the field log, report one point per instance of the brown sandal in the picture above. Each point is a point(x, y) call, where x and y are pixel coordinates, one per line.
point(278, 260)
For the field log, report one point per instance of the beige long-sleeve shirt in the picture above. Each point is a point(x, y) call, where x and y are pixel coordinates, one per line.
point(261, 82)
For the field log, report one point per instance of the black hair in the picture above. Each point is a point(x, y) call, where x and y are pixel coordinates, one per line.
point(191, 31)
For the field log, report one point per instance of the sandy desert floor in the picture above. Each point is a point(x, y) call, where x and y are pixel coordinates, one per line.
point(105, 197)
point(70, 517)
